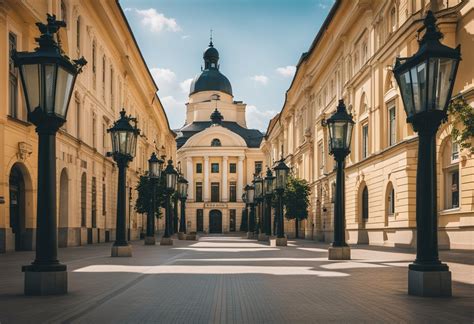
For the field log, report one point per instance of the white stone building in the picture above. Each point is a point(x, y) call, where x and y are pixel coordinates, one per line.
point(216, 151)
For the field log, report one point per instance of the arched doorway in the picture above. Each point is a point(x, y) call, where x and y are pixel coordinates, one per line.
point(215, 221)
point(17, 206)
point(63, 209)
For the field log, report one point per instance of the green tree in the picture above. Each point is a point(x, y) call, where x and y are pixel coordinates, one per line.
point(462, 114)
point(144, 203)
point(296, 200)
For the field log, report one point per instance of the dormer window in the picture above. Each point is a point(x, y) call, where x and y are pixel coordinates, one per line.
point(216, 142)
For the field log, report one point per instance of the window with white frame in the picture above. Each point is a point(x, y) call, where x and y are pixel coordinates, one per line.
point(451, 175)
point(392, 125)
point(391, 201)
point(365, 141)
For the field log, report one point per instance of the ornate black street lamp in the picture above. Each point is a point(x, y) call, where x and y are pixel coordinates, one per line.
point(258, 184)
point(268, 189)
point(183, 195)
point(124, 143)
point(171, 178)
point(281, 178)
point(250, 193)
point(340, 126)
point(426, 83)
point(154, 174)
point(48, 77)
point(245, 216)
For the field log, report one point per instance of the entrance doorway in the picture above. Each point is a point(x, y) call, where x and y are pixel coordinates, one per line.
point(17, 206)
point(215, 221)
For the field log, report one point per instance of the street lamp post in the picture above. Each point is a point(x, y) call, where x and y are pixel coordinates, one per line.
point(281, 178)
point(258, 184)
point(426, 83)
point(171, 177)
point(245, 216)
point(268, 188)
point(250, 192)
point(340, 126)
point(154, 174)
point(124, 144)
point(48, 79)
point(183, 195)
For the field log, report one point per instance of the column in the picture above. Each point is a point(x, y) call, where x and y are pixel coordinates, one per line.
point(190, 177)
point(240, 177)
point(225, 187)
point(206, 178)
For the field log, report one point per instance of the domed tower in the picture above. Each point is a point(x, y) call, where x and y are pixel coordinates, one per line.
point(211, 79)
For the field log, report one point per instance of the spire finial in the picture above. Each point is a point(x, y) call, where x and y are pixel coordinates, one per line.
point(210, 39)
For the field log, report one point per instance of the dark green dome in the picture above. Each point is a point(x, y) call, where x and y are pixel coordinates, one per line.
point(211, 79)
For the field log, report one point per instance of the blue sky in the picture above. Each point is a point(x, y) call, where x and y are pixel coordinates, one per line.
point(259, 41)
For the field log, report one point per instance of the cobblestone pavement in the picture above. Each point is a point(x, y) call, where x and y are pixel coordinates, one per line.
point(228, 279)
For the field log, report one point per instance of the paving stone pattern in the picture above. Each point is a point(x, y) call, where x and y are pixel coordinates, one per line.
point(229, 279)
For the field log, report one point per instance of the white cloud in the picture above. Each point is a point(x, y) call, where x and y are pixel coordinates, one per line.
point(155, 20)
point(162, 76)
point(260, 79)
point(185, 37)
point(175, 110)
point(287, 71)
point(257, 118)
point(185, 85)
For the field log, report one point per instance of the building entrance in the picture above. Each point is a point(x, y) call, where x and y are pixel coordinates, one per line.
point(215, 221)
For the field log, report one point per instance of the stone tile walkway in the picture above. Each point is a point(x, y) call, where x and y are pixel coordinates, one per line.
point(228, 279)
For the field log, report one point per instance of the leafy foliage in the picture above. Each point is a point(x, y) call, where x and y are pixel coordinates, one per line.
point(462, 113)
point(296, 198)
point(144, 203)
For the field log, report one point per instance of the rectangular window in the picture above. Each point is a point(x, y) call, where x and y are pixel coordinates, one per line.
point(103, 77)
point(78, 34)
point(198, 167)
point(198, 191)
point(321, 158)
point(455, 189)
point(215, 192)
point(104, 200)
point(365, 141)
point(258, 166)
point(199, 220)
point(78, 117)
point(233, 192)
point(391, 202)
point(94, 132)
point(214, 167)
point(392, 126)
point(454, 152)
point(94, 203)
point(13, 78)
point(111, 87)
point(232, 220)
point(232, 168)
point(104, 137)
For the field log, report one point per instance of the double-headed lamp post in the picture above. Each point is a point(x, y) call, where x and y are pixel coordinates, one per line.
point(183, 195)
point(426, 83)
point(268, 189)
point(171, 178)
point(340, 126)
point(48, 78)
point(154, 174)
point(124, 143)
point(281, 178)
point(250, 194)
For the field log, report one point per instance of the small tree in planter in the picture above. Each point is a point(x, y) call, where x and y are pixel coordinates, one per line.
point(296, 200)
point(144, 203)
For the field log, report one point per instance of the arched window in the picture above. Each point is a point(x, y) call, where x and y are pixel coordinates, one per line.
point(365, 204)
point(390, 200)
point(393, 20)
point(216, 142)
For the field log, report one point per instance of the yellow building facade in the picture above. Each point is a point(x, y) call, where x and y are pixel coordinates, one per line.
point(115, 77)
point(351, 58)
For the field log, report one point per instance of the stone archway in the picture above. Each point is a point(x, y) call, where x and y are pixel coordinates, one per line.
point(215, 221)
point(63, 209)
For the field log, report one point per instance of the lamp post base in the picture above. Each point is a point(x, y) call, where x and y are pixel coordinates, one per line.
point(191, 237)
point(121, 250)
point(150, 240)
point(181, 236)
point(166, 241)
point(45, 283)
point(279, 241)
point(263, 237)
point(429, 283)
point(250, 235)
point(339, 253)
